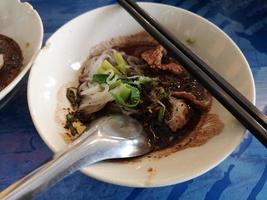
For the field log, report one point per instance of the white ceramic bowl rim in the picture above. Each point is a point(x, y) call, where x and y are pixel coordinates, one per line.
point(38, 45)
point(52, 145)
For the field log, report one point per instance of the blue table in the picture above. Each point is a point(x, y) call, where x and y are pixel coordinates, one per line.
point(241, 176)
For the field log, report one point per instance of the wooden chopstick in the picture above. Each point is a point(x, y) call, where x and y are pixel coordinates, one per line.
point(234, 93)
point(252, 123)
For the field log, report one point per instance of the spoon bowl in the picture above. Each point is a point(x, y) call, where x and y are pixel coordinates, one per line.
point(109, 137)
point(126, 131)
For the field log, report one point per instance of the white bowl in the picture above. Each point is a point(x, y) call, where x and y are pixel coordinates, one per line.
point(58, 62)
point(22, 23)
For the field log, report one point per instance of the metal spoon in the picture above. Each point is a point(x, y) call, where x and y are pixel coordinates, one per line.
point(114, 136)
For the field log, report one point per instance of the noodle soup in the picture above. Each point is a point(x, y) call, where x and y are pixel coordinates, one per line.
point(136, 76)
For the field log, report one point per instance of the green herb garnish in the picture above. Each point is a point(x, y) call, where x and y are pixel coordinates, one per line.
point(70, 117)
point(162, 111)
point(162, 93)
point(100, 78)
point(121, 63)
point(126, 95)
point(161, 114)
point(190, 41)
point(72, 96)
point(115, 84)
point(124, 90)
point(106, 67)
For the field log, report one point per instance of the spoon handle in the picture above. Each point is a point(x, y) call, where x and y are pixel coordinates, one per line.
point(79, 154)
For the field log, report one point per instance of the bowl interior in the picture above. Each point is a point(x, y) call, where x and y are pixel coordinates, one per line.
point(58, 64)
point(22, 23)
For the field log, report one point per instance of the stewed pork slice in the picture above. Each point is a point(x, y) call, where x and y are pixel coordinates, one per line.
point(198, 95)
point(179, 114)
point(203, 103)
point(154, 56)
point(172, 67)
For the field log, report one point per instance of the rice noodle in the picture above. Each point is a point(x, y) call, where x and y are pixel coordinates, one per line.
point(135, 62)
point(90, 90)
point(93, 95)
point(98, 94)
point(110, 77)
point(92, 65)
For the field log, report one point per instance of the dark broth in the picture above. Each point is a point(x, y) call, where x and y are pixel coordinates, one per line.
point(160, 134)
point(12, 57)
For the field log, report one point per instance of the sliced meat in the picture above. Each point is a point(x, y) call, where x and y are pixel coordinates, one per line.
point(154, 58)
point(203, 104)
point(179, 114)
point(172, 67)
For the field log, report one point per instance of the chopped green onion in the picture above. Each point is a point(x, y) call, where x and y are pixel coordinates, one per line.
point(73, 130)
point(143, 79)
point(100, 78)
point(118, 99)
point(135, 95)
point(106, 67)
point(70, 117)
point(119, 59)
point(161, 114)
point(125, 92)
point(127, 81)
point(72, 96)
point(139, 80)
point(111, 78)
point(190, 41)
point(126, 95)
point(115, 84)
point(121, 62)
point(162, 94)
point(158, 93)
point(162, 111)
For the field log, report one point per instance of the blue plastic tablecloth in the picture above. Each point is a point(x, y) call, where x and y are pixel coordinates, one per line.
point(241, 176)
